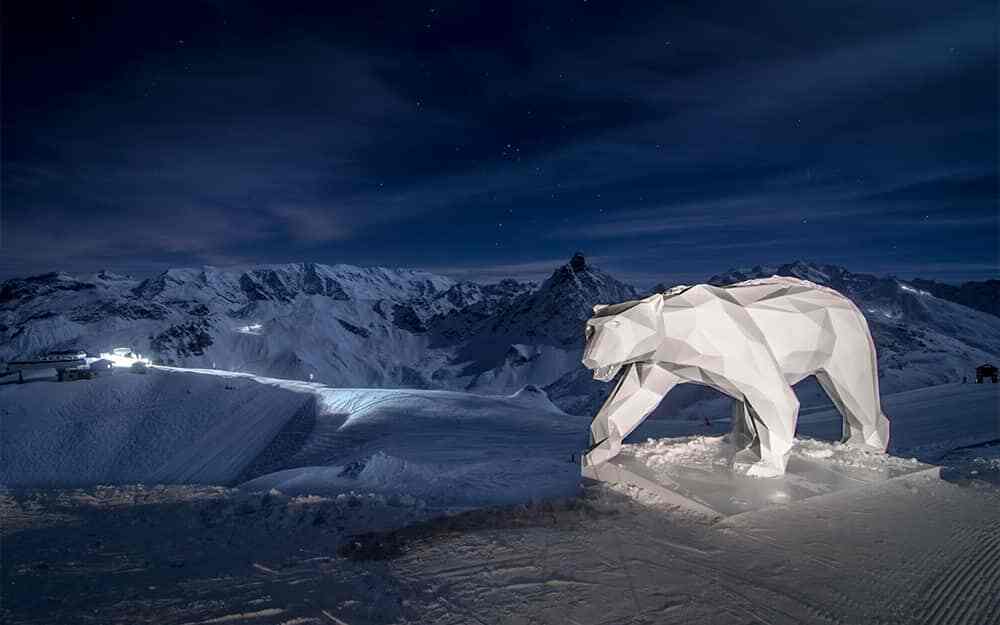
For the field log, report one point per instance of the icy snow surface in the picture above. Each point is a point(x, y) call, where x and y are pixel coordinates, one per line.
point(699, 468)
point(925, 426)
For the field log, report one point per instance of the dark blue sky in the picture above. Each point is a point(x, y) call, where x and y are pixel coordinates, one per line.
point(666, 140)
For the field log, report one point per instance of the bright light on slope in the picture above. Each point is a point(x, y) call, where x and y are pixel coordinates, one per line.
point(253, 328)
point(910, 289)
point(884, 313)
point(124, 357)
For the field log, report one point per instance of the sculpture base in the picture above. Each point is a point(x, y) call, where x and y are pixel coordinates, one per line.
point(696, 473)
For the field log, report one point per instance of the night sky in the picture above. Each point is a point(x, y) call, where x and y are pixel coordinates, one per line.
point(666, 140)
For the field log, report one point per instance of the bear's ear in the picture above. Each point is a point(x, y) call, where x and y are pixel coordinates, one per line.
point(599, 307)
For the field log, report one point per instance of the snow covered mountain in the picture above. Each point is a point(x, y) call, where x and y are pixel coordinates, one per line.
point(376, 327)
point(344, 324)
point(982, 295)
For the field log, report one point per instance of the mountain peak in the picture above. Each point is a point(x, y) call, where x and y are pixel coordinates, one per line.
point(560, 304)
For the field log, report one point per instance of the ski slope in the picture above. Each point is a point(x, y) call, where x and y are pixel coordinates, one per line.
point(373, 547)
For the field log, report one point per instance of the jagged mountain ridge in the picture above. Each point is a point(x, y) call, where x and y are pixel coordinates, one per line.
point(353, 326)
point(290, 320)
point(536, 337)
point(552, 314)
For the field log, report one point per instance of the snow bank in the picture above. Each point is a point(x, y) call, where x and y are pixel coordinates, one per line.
point(445, 448)
point(159, 428)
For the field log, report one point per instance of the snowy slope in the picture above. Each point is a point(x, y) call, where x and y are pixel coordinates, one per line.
point(444, 448)
point(138, 428)
point(215, 427)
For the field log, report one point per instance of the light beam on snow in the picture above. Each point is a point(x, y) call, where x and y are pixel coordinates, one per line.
point(124, 357)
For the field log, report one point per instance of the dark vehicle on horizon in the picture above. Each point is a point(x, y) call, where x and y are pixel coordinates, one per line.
point(987, 371)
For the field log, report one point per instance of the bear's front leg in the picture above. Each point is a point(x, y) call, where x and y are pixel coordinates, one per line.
point(641, 388)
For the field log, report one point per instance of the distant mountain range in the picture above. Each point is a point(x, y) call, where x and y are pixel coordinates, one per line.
point(378, 327)
point(982, 295)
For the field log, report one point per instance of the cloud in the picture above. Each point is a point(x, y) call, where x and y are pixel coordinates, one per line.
point(660, 136)
point(312, 223)
point(796, 200)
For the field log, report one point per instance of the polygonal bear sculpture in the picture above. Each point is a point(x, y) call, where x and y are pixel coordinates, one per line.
point(751, 341)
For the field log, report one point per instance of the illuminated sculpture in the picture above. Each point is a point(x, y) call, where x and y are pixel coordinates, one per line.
point(751, 341)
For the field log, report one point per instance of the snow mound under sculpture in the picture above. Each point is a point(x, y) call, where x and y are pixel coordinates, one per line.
point(752, 341)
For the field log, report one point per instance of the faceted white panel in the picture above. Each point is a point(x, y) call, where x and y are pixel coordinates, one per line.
point(751, 341)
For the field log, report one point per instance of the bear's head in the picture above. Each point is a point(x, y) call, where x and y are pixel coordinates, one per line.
point(621, 334)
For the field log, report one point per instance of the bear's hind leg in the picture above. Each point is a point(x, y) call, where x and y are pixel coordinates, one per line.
point(857, 400)
point(743, 434)
point(775, 414)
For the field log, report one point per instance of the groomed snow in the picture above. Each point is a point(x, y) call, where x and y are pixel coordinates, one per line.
point(908, 551)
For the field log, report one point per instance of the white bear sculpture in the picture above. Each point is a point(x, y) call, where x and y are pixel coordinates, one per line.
point(751, 341)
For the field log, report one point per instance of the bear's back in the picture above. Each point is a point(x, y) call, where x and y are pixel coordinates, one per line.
point(751, 291)
point(798, 320)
